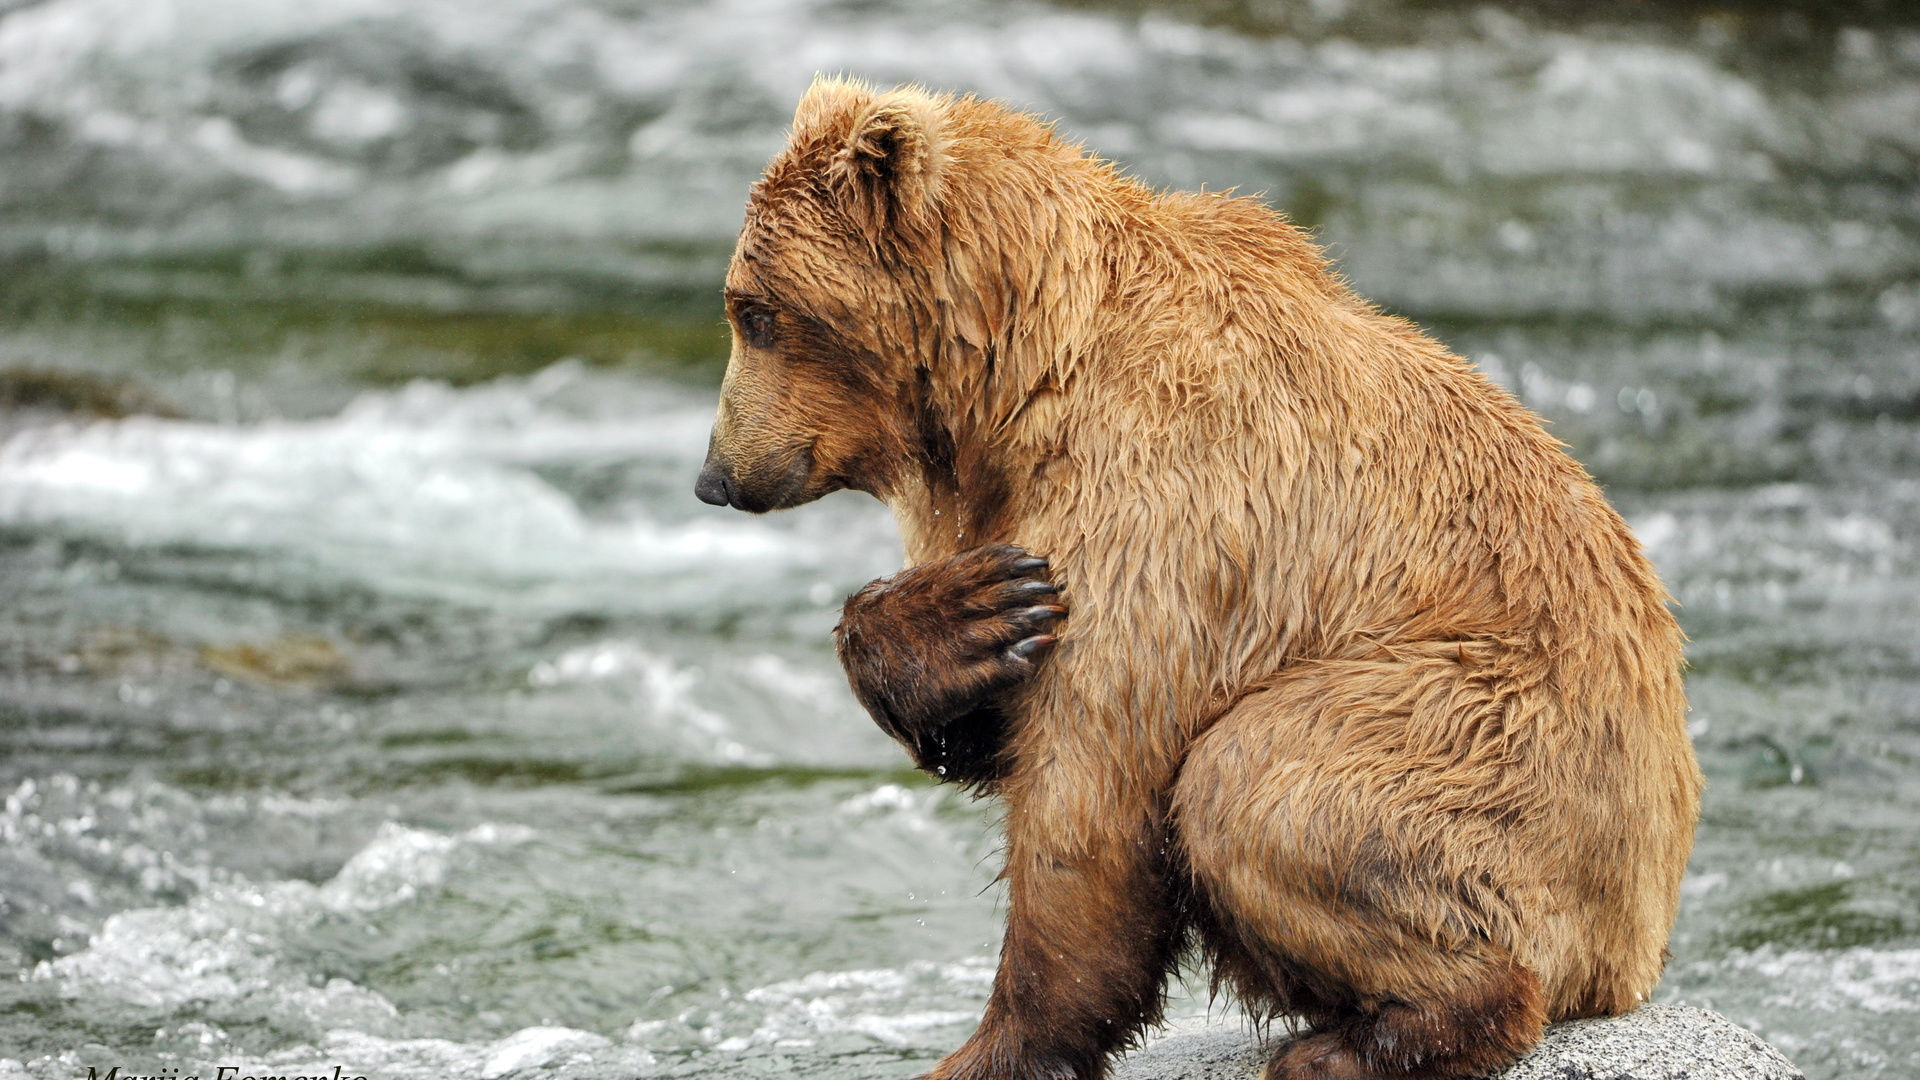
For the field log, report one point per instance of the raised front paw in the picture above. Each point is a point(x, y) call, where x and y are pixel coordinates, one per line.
point(939, 641)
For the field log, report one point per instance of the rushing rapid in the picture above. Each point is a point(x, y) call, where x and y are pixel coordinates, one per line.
point(374, 692)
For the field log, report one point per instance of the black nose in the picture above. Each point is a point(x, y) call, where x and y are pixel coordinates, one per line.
point(712, 488)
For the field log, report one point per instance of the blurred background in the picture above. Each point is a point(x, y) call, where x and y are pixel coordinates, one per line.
point(374, 692)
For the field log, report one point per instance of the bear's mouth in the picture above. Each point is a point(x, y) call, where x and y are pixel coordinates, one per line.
point(768, 486)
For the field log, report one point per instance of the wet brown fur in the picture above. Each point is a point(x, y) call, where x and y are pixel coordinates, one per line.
point(1362, 678)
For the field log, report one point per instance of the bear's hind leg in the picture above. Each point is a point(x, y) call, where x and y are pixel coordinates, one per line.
point(1369, 890)
point(1489, 1027)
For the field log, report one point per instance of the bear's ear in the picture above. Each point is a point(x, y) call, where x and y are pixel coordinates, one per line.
point(889, 168)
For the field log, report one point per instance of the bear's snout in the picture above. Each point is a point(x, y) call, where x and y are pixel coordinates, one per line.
point(758, 487)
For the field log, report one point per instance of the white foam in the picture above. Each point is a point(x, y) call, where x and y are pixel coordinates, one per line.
point(719, 80)
point(1602, 107)
point(666, 688)
point(535, 1046)
point(401, 863)
point(906, 807)
point(571, 1050)
point(423, 490)
point(917, 1005)
point(894, 1006)
point(225, 943)
point(129, 830)
point(1876, 980)
point(1656, 530)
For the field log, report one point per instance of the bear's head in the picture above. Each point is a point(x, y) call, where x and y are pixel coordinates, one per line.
point(871, 296)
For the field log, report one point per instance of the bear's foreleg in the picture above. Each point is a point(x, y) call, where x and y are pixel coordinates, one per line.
point(1094, 920)
point(929, 651)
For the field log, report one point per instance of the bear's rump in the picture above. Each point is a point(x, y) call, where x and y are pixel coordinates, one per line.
point(1370, 823)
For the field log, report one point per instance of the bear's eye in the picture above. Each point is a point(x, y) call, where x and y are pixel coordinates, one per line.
point(756, 325)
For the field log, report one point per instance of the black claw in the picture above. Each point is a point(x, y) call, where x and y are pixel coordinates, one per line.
point(1026, 647)
point(1031, 562)
point(1036, 586)
point(1040, 614)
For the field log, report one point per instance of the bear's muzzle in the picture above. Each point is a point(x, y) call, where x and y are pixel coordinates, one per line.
point(762, 486)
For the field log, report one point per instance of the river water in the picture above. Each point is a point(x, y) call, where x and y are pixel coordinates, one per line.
point(373, 692)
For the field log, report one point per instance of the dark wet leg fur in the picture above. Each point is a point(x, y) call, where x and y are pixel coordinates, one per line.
point(1083, 968)
point(931, 649)
point(1486, 1029)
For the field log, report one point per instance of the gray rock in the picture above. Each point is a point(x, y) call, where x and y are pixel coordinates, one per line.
point(1654, 1042)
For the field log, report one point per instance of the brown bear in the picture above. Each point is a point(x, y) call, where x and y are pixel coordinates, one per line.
point(1326, 656)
